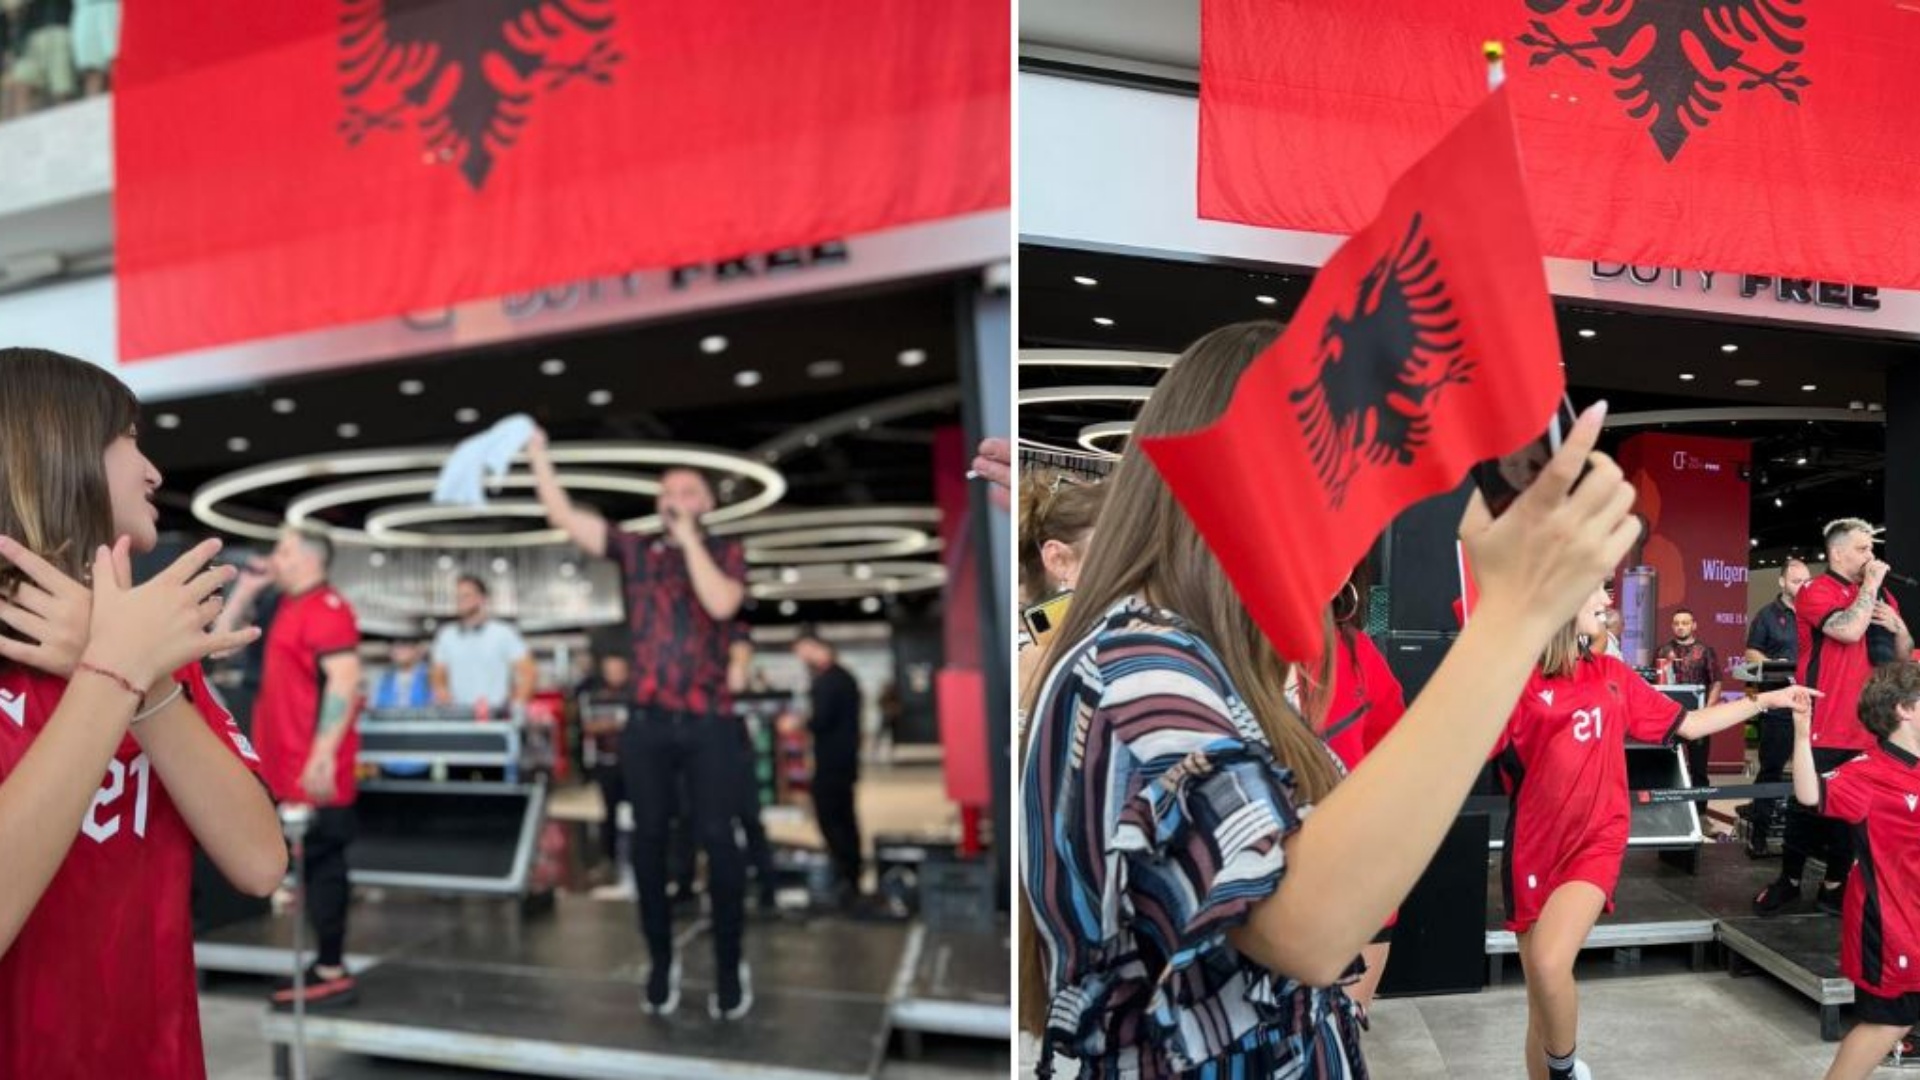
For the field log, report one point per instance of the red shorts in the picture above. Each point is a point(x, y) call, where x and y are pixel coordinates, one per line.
point(1595, 864)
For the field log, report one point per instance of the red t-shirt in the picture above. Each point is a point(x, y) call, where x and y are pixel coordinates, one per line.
point(1366, 700)
point(1564, 756)
point(1836, 669)
point(1879, 794)
point(680, 652)
point(100, 980)
point(306, 630)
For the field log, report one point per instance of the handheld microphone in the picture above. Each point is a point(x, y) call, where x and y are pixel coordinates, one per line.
point(1903, 579)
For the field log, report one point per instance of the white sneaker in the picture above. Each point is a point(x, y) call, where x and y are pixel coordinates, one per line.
point(1580, 1070)
point(667, 1007)
point(746, 998)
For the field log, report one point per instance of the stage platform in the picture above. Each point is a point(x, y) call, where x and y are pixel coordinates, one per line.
point(1657, 903)
point(474, 983)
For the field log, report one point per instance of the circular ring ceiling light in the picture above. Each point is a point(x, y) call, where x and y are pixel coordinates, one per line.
point(840, 582)
point(1093, 434)
point(208, 502)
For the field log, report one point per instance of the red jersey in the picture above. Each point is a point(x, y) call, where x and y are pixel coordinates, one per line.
point(1879, 794)
point(306, 630)
point(1836, 669)
point(1564, 758)
point(1366, 700)
point(100, 980)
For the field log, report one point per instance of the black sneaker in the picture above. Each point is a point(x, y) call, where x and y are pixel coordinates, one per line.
point(734, 999)
point(318, 991)
point(663, 989)
point(1776, 895)
point(1833, 900)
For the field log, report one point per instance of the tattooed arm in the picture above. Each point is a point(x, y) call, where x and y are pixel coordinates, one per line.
point(1850, 623)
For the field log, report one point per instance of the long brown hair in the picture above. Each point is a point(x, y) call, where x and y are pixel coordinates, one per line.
point(58, 415)
point(1147, 546)
point(1053, 506)
point(1564, 650)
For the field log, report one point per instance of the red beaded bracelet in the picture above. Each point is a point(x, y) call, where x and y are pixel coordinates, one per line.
point(116, 678)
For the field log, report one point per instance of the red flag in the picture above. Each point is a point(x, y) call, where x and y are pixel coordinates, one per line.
point(288, 166)
point(1426, 344)
point(1755, 136)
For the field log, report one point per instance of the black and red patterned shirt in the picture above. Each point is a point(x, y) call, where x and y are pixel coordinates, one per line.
point(679, 651)
point(1694, 664)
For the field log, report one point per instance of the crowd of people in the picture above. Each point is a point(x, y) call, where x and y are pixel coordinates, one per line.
point(1217, 836)
point(52, 51)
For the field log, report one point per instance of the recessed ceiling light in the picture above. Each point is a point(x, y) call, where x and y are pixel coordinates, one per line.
point(466, 416)
point(348, 431)
point(713, 344)
point(238, 445)
point(501, 566)
point(862, 571)
point(412, 387)
point(1778, 501)
point(1799, 461)
point(1267, 300)
point(166, 420)
point(1748, 383)
point(788, 607)
point(555, 366)
point(912, 357)
point(825, 369)
point(445, 562)
point(1686, 376)
point(283, 406)
point(1587, 333)
point(1082, 279)
point(1753, 541)
point(1808, 387)
point(746, 379)
point(1729, 347)
point(598, 398)
point(1102, 320)
point(870, 605)
point(377, 559)
point(790, 574)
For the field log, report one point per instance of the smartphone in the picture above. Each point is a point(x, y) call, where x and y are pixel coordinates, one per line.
point(1042, 618)
point(1502, 479)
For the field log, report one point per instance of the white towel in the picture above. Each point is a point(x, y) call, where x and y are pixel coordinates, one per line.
point(463, 478)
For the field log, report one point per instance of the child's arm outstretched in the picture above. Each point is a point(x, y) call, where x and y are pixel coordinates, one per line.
point(1806, 778)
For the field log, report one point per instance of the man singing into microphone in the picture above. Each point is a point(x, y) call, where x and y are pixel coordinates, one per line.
point(1847, 626)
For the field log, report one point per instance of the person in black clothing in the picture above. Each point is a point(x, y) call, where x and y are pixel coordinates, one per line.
point(835, 725)
point(1771, 636)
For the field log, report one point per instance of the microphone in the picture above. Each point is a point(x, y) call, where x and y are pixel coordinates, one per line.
point(1903, 579)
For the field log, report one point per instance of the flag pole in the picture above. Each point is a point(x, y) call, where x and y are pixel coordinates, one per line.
point(1496, 54)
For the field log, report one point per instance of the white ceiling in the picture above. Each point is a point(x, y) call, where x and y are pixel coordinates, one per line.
point(1156, 31)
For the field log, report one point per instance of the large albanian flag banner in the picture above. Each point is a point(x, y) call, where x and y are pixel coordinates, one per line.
point(282, 167)
point(1757, 136)
point(1425, 345)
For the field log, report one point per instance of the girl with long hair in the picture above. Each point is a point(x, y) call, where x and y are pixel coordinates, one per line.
point(1563, 756)
point(1187, 916)
point(116, 758)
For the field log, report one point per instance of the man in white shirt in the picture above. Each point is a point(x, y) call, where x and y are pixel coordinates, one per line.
point(480, 659)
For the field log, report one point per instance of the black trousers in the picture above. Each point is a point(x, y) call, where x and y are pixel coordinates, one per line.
point(1776, 749)
point(1696, 762)
point(328, 836)
point(657, 750)
point(1808, 833)
point(833, 808)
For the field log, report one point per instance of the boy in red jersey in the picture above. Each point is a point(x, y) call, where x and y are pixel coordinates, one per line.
point(1877, 794)
point(1564, 758)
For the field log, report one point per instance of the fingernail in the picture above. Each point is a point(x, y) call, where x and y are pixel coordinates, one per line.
point(1599, 409)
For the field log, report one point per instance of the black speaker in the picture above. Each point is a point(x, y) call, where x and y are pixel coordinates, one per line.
point(1440, 942)
point(1420, 567)
point(1414, 657)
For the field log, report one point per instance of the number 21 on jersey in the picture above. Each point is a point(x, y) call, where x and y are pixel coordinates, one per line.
point(1586, 725)
point(101, 826)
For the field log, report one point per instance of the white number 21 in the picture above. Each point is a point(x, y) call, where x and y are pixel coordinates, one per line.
point(111, 789)
point(1586, 725)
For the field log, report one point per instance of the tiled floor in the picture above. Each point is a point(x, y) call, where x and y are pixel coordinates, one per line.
point(230, 1023)
point(1672, 1026)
